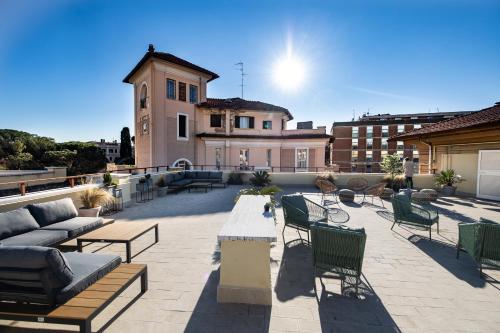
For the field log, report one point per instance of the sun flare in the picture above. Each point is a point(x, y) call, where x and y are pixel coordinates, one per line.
point(289, 72)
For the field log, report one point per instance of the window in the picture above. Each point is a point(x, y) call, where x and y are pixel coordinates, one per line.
point(243, 122)
point(193, 94)
point(354, 144)
point(183, 163)
point(283, 124)
point(385, 131)
point(110, 150)
point(369, 155)
point(400, 153)
point(401, 128)
point(182, 91)
point(170, 89)
point(385, 145)
point(218, 157)
point(354, 156)
point(416, 126)
point(145, 125)
point(244, 159)
point(301, 158)
point(401, 145)
point(182, 126)
point(215, 120)
point(384, 153)
point(268, 157)
point(369, 132)
point(369, 143)
point(143, 96)
point(355, 133)
point(267, 124)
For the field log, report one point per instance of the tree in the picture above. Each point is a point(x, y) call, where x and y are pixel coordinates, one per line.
point(89, 157)
point(393, 166)
point(61, 158)
point(19, 161)
point(125, 144)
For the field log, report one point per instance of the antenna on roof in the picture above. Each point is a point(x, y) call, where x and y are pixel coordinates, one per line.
point(243, 74)
point(353, 114)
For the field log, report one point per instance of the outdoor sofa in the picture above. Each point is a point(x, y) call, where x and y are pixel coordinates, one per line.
point(44, 224)
point(182, 179)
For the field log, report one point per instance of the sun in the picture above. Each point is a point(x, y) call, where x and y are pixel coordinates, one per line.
point(289, 72)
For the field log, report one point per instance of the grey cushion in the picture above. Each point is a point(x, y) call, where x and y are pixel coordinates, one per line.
point(202, 175)
point(87, 269)
point(182, 182)
point(169, 177)
point(37, 237)
point(32, 273)
point(77, 225)
point(54, 211)
point(215, 174)
point(16, 222)
point(190, 174)
point(178, 176)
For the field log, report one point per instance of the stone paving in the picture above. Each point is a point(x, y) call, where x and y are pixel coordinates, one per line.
point(410, 284)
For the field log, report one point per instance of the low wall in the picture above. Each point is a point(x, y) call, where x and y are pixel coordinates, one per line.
point(31, 176)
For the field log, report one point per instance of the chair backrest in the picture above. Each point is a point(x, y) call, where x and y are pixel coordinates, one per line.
point(490, 231)
point(376, 189)
point(326, 186)
point(291, 203)
point(401, 205)
point(339, 247)
point(357, 184)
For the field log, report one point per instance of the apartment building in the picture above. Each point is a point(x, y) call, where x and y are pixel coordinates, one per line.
point(110, 149)
point(176, 124)
point(360, 145)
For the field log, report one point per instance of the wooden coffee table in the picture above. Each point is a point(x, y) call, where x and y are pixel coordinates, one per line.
point(204, 185)
point(123, 232)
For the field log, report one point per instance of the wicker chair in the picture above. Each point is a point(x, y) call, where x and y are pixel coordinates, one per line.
point(327, 188)
point(374, 191)
point(406, 212)
point(301, 212)
point(357, 184)
point(339, 250)
point(482, 242)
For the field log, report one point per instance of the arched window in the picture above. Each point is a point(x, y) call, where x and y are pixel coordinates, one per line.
point(183, 163)
point(143, 96)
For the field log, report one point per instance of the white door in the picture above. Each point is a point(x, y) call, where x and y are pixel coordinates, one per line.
point(488, 175)
point(301, 159)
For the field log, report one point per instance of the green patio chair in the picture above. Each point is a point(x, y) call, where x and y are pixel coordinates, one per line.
point(339, 250)
point(301, 212)
point(410, 213)
point(481, 240)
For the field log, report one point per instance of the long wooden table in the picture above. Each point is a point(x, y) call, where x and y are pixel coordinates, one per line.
point(245, 240)
point(121, 232)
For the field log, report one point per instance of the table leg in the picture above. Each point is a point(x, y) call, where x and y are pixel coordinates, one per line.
point(129, 256)
point(157, 235)
point(79, 245)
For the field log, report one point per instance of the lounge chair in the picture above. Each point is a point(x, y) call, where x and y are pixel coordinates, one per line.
point(481, 241)
point(406, 212)
point(339, 250)
point(374, 191)
point(327, 188)
point(301, 212)
point(41, 284)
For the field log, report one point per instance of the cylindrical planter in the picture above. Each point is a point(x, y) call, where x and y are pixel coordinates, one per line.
point(89, 212)
point(448, 190)
point(162, 191)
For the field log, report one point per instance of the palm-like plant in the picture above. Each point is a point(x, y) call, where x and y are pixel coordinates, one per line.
point(260, 178)
point(448, 177)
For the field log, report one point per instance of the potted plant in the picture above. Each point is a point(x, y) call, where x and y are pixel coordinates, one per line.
point(107, 180)
point(393, 166)
point(446, 179)
point(162, 186)
point(92, 200)
point(260, 178)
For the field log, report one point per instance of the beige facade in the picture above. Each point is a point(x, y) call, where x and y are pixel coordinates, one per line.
point(164, 102)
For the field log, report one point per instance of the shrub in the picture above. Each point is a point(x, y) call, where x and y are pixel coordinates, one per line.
point(107, 179)
point(448, 177)
point(94, 197)
point(235, 178)
point(393, 166)
point(268, 190)
point(260, 178)
point(161, 182)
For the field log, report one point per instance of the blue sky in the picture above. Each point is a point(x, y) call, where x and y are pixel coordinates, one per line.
point(62, 61)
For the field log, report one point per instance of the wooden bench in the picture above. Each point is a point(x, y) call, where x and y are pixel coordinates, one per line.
point(84, 307)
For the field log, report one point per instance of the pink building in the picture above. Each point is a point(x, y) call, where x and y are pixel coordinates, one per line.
point(177, 125)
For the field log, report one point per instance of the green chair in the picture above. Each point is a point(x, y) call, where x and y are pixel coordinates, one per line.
point(339, 250)
point(481, 241)
point(410, 213)
point(301, 212)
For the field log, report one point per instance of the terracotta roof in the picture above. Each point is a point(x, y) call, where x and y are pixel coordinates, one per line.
point(267, 137)
point(476, 119)
point(237, 103)
point(152, 54)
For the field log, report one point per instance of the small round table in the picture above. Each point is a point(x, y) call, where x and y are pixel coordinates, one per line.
point(337, 215)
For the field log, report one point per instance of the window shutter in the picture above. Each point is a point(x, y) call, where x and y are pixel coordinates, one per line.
point(251, 122)
point(237, 122)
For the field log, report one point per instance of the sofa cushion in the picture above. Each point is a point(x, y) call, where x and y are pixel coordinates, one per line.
point(202, 175)
point(178, 176)
point(54, 211)
point(181, 182)
point(16, 222)
point(191, 174)
point(76, 226)
point(38, 237)
point(87, 269)
point(169, 177)
point(32, 273)
point(216, 175)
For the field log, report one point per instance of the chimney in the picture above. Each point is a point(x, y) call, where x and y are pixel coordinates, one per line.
point(151, 48)
point(103, 141)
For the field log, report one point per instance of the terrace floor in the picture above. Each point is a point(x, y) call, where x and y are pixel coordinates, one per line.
point(410, 284)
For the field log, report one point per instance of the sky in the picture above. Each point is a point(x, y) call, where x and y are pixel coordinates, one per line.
point(62, 62)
